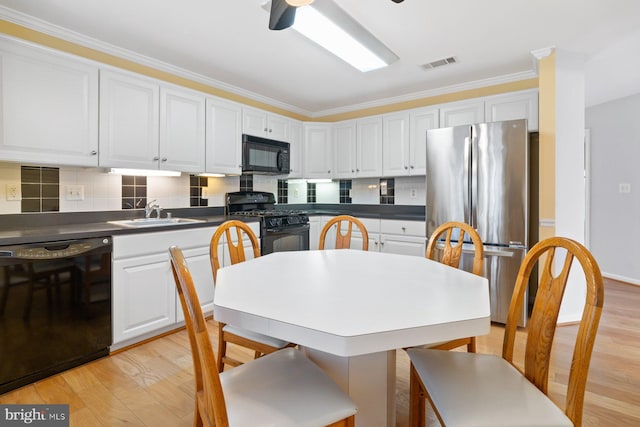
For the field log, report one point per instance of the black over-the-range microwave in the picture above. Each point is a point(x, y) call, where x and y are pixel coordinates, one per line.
point(264, 156)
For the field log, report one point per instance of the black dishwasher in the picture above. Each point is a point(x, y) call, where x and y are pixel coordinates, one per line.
point(55, 307)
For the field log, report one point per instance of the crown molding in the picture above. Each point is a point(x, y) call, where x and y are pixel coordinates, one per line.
point(477, 84)
point(65, 34)
point(53, 30)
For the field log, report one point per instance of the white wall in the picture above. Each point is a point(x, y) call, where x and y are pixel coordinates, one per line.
point(615, 216)
point(613, 72)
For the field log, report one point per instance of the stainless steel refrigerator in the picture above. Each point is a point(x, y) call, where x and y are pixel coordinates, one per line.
point(479, 174)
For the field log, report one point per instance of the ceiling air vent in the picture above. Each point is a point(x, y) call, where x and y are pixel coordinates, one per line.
point(439, 63)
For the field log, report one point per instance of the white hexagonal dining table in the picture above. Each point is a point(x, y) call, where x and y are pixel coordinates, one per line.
point(350, 310)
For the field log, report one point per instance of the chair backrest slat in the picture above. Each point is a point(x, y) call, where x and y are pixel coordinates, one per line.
point(343, 241)
point(236, 250)
point(451, 254)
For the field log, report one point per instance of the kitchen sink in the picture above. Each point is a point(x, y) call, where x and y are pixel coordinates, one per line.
point(154, 222)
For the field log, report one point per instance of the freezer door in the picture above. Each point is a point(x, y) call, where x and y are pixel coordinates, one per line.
point(447, 176)
point(501, 267)
point(500, 182)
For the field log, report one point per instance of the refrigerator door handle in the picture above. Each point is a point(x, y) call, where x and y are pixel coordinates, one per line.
point(473, 177)
point(467, 178)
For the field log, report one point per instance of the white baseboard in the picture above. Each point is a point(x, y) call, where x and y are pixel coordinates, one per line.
point(621, 278)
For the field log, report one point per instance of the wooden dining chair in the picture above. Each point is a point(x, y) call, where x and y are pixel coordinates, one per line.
point(343, 241)
point(482, 389)
point(451, 255)
point(283, 388)
point(259, 343)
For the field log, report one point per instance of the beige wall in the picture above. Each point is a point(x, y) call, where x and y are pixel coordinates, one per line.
point(547, 129)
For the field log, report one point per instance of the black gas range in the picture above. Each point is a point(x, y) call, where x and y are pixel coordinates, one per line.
point(280, 229)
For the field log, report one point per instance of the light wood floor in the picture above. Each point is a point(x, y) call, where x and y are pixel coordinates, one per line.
point(152, 384)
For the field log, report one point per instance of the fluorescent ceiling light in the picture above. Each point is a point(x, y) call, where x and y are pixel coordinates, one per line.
point(320, 28)
point(299, 3)
point(319, 180)
point(142, 172)
point(211, 175)
point(328, 25)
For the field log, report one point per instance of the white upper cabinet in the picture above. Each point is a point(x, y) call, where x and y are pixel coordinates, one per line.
point(516, 105)
point(396, 150)
point(459, 113)
point(422, 120)
point(49, 109)
point(358, 148)
point(344, 146)
point(132, 134)
point(296, 138)
point(266, 125)
point(318, 153)
point(182, 130)
point(369, 147)
point(129, 121)
point(224, 137)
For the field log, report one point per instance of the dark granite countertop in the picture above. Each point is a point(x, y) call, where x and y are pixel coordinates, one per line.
point(46, 227)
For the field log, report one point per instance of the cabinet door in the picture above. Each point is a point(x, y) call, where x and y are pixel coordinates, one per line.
point(277, 128)
point(395, 145)
point(403, 245)
point(369, 147)
point(511, 106)
point(421, 120)
point(296, 145)
point(182, 138)
point(200, 268)
point(317, 151)
point(144, 296)
point(224, 137)
point(254, 122)
point(49, 109)
point(129, 121)
point(344, 146)
point(462, 113)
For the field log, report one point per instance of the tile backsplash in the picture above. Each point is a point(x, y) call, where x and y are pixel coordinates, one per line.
point(103, 192)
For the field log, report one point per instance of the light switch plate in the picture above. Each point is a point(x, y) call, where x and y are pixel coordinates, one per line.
point(75, 192)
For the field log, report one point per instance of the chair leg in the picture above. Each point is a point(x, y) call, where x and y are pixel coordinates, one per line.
point(417, 405)
point(471, 347)
point(222, 348)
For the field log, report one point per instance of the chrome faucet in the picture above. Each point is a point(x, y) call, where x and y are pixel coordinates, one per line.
point(150, 207)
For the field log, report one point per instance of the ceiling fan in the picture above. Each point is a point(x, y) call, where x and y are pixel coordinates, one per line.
point(283, 12)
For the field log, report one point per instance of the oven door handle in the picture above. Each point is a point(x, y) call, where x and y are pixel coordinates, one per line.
point(289, 230)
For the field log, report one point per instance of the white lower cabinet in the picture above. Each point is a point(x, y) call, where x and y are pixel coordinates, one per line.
point(385, 235)
point(144, 294)
point(403, 237)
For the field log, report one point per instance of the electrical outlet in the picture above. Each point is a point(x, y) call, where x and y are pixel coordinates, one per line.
point(13, 192)
point(412, 193)
point(75, 192)
point(624, 187)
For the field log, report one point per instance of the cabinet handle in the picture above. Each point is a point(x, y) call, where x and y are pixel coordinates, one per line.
point(328, 171)
point(270, 130)
point(164, 159)
point(405, 168)
point(93, 153)
point(411, 166)
point(357, 170)
point(156, 158)
point(404, 229)
point(266, 129)
point(352, 171)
